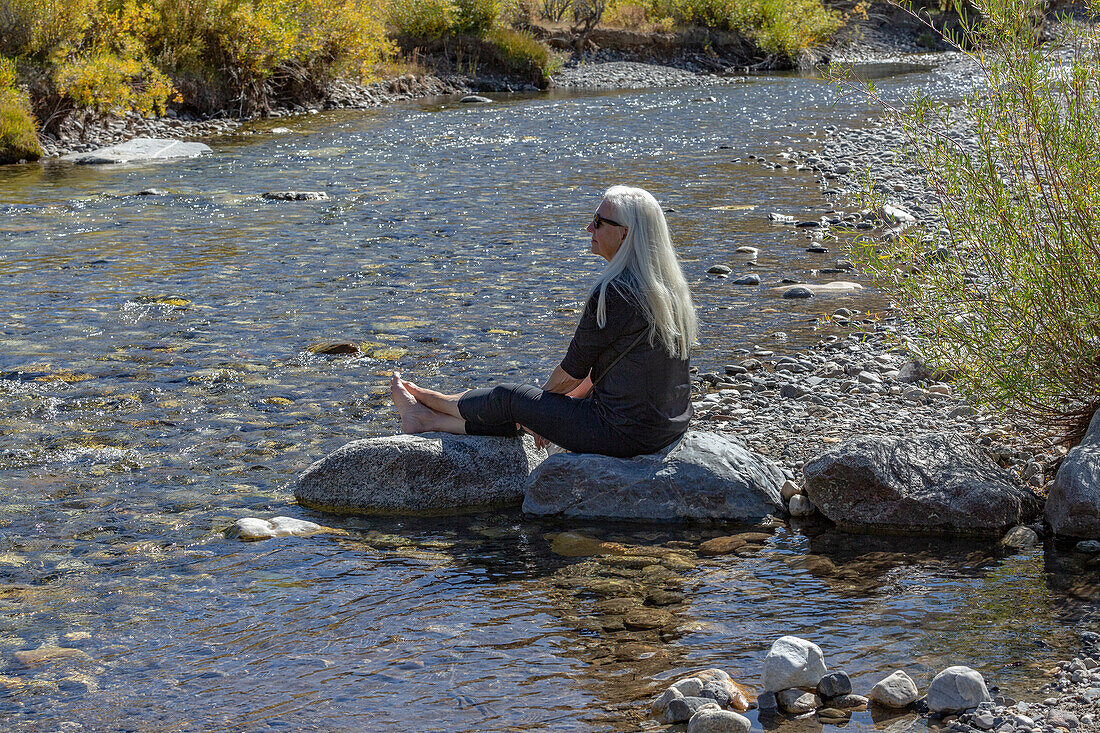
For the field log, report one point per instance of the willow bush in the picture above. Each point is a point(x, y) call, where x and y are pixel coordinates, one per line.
point(18, 134)
point(1012, 303)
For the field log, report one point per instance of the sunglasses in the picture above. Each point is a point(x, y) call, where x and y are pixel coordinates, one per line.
point(598, 221)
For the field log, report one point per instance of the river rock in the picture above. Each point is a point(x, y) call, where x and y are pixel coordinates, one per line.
point(714, 720)
point(718, 270)
point(797, 292)
point(955, 689)
point(834, 684)
point(1073, 506)
point(660, 705)
point(475, 99)
point(849, 701)
point(839, 287)
point(252, 529)
point(896, 691)
point(296, 196)
point(800, 506)
point(797, 702)
point(934, 483)
point(793, 662)
point(680, 709)
point(701, 476)
point(1020, 538)
point(42, 654)
point(140, 149)
point(430, 472)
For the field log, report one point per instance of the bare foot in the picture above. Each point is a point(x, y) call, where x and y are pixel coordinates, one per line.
point(415, 417)
point(435, 401)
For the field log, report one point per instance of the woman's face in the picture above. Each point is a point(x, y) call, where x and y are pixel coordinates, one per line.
point(607, 235)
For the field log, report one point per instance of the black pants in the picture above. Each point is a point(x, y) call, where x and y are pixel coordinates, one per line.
point(574, 424)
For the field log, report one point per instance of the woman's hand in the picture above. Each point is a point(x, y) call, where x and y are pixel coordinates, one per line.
point(540, 442)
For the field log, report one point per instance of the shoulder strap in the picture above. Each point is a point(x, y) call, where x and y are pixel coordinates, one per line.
point(624, 352)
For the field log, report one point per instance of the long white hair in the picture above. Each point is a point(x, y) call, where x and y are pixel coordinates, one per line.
point(647, 254)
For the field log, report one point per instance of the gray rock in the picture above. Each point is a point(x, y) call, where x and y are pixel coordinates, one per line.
point(680, 709)
point(935, 483)
point(838, 287)
point(718, 270)
point(1087, 547)
point(956, 688)
point(849, 701)
point(797, 702)
point(253, 529)
point(701, 476)
point(767, 701)
point(712, 720)
point(660, 705)
point(475, 99)
point(834, 684)
point(916, 370)
point(1073, 506)
point(430, 472)
point(983, 720)
point(1062, 719)
point(140, 149)
point(797, 292)
point(896, 691)
point(750, 279)
point(793, 662)
point(1020, 538)
point(800, 506)
point(296, 196)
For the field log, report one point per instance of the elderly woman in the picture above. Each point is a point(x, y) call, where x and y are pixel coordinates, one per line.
point(623, 388)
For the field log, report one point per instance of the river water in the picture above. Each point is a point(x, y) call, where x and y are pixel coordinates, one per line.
point(157, 384)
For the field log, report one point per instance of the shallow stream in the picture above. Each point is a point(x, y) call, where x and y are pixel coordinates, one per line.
point(156, 384)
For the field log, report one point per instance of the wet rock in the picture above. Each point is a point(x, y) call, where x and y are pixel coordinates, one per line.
point(648, 618)
point(701, 476)
point(800, 506)
point(834, 684)
point(253, 529)
point(1073, 506)
point(797, 292)
point(1087, 547)
point(140, 149)
point(296, 196)
point(432, 472)
point(713, 720)
point(928, 483)
point(896, 691)
point(77, 684)
point(834, 714)
point(43, 654)
point(793, 662)
point(750, 279)
point(475, 99)
point(797, 702)
point(718, 270)
point(849, 701)
point(334, 348)
point(956, 688)
point(838, 287)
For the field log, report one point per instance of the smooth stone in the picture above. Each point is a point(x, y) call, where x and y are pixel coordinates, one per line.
point(719, 270)
point(1020, 538)
point(426, 473)
point(934, 483)
point(252, 529)
point(800, 506)
point(834, 684)
point(750, 279)
point(648, 618)
point(793, 662)
point(1063, 719)
point(834, 714)
point(838, 287)
point(1073, 505)
point(475, 99)
point(956, 688)
point(896, 215)
point(797, 702)
point(797, 292)
point(712, 720)
point(896, 691)
point(745, 250)
point(781, 218)
point(721, 546)
point(681, 709)
point(701, 476)
point(140, 149)
point(1087, 547)
point(333, 348)
point(849, 701)
point(660, 705)
point(296, 196)
point(789, 489)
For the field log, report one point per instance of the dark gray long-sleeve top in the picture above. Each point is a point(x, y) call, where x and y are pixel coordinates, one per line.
point(646, 396)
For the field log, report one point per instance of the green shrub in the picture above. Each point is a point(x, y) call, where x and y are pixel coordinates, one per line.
point(18, 133)
point(520, 53)
point(422, 18)
point(476, 17)
point(1013, 300)
point(105, 83)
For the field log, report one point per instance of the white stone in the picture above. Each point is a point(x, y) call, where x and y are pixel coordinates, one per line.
point(800, 506)
point(251, 529)
point(838, 287)
point(956, 688)
point(793, 662)
point(789, 489)
point(715, 720)
point(689, 687)
point(797, 702)
point(139, 149)
point(896, 691)
point(660, 705)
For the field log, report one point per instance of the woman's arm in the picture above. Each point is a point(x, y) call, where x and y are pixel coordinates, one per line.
point(561, 382)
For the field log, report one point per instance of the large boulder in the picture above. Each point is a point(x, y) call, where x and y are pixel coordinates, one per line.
point(934, 483)
point(138, 150)
point(701, 476)
point(955, 689)
point(1073, 506)
point(793, 662)
point(414, 474)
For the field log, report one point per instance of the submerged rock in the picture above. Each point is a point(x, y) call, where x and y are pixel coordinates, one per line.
point(896, 691)
point(793, 662)
point(430, 472)
point(701, 476)
point(296, 196)
point(139, 149)
point(1073, 506)
point(839, 287)
point(475, 99)
point(936, 483)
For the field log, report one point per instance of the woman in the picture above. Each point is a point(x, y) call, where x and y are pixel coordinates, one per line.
point(624, 387)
